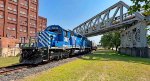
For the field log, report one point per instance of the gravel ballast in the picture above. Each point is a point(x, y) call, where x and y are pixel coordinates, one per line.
point(34, 70)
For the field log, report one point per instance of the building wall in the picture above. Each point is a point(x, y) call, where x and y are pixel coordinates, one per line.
point(8, 43)
point(9, 52)
point(18, 18)
point(8, 47)
point(1, 17)
point(42, 23)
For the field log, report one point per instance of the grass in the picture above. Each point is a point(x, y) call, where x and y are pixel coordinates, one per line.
point(8, 61)
point(99, 66)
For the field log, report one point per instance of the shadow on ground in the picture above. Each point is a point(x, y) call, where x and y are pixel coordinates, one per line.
point(107, 55)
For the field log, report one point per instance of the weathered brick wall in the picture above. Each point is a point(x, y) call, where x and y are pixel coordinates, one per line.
point(8, 42)
point(7, 52)
point(8, 47)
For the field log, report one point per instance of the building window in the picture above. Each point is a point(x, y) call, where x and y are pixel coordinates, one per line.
point(1, 17)
point(10, 8)
point(24, 13)
point(31, 15)
point(13, 29)
point(24, 31)
point(15, 0)
point(13, 19)
point(1, 5)
point(9, 18)
point(21, 29)
point(35, 0)
point(15, 10)
point(8, 28)
point(24, 4)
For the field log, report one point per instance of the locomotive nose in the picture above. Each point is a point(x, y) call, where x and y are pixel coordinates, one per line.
point(45, 39)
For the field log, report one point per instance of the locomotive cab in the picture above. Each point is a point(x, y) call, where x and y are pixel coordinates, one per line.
point(47, 37)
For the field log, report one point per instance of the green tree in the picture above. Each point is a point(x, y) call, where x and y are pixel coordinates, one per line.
point(116, 40)
point(105, 40)
point(140, 5)
point(111, 40)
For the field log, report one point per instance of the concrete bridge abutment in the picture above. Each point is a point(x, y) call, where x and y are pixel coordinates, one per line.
point(134, 41)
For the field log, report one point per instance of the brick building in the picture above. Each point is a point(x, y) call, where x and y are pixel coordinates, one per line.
point(42, 24)
point(19, 18)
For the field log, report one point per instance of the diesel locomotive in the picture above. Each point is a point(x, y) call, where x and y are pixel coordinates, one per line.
point(54, 43)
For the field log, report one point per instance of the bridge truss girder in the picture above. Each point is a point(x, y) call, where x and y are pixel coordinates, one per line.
point(108, 20)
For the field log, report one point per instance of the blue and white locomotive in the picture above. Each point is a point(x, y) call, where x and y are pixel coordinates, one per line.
point(55, 43)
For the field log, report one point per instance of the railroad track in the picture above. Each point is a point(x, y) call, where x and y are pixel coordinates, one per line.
point(18, 68)
point(13, 69)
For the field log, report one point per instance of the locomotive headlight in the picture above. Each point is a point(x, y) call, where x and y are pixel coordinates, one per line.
point(33, 50)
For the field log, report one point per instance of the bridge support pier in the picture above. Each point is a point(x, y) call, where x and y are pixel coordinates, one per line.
point(136, 52)
point(134, 41)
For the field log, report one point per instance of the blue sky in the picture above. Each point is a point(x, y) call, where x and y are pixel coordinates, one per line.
point(71, 13)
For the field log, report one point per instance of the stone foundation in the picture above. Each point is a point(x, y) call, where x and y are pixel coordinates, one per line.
point(137, 52)
point(7, 52)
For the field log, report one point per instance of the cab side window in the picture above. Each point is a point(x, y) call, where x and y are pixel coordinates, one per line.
point(72, 33)
point(59, 31)
point(65, 33)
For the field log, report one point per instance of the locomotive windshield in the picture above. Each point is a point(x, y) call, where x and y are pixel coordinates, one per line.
point(54, 29)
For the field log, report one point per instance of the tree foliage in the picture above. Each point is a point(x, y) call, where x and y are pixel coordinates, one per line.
point(116, 39)
point(106, 40)
point(140, 5)
point(148, 39)
point(111, 40)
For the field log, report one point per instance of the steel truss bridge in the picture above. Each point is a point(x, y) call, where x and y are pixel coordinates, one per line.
point(133, 35)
